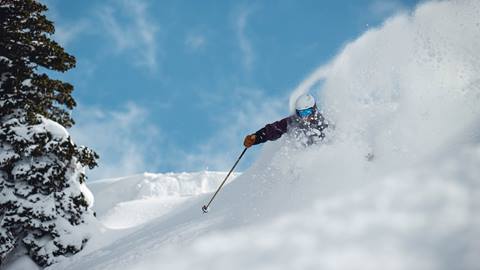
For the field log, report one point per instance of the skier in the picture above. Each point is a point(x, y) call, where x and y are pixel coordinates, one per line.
point(307, 125)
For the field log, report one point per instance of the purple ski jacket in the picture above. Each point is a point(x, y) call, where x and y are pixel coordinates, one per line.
point(274, 131)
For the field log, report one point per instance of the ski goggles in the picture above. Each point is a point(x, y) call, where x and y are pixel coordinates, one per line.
point(305, 113)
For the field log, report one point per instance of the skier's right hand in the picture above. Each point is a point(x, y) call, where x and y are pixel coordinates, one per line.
point(249, 140)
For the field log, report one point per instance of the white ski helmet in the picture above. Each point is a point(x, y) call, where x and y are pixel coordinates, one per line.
point(304, 101)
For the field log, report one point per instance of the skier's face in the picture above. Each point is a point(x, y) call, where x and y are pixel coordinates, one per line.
point(307, 115)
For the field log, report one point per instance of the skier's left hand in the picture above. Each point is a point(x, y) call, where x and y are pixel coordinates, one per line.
point(249, 140)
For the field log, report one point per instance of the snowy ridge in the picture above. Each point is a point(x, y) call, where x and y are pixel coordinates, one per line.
point(129, 201)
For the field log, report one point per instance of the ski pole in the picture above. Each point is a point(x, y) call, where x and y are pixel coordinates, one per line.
point(205, 207)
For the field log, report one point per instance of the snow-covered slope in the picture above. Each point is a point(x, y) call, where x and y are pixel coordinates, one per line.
point(409, 92)
point(131, 201)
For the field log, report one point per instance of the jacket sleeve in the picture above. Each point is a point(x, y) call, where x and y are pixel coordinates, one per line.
point(272, 132)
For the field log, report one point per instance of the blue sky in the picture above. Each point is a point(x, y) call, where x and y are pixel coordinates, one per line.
point(175, 85)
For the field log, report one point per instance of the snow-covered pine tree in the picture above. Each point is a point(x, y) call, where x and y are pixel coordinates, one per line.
point(44, 203)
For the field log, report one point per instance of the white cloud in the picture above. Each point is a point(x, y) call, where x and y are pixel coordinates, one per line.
point(244, 42)
point(195, 41)
point(66, 33)
point(124, 139)
point(128, 143)
point(384, 8)
point(132, 30)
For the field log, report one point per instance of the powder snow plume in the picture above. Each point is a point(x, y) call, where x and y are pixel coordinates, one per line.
point(411, 86)
point(407, 92)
